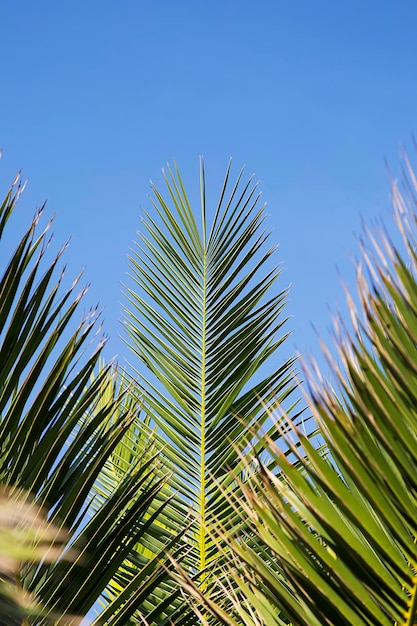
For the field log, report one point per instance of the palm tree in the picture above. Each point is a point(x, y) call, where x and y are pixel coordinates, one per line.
point(340, 523)
point(60, 422)
point(203, 317)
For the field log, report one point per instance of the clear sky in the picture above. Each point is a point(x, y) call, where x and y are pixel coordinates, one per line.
point(96, 96)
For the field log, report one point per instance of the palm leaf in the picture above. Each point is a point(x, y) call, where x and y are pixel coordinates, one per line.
point(203, 317)
point(145, 567)
point(340, 523)
point(58, 428)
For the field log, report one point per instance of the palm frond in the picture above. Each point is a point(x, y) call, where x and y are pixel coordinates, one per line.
point(58, 428)
point(203, 317)
point(144, 569)
point(339, 524)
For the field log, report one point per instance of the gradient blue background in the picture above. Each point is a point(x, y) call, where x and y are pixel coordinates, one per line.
point(96, 96)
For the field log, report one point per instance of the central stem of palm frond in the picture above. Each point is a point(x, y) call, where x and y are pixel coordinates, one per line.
point(202, 539)
point(410, 616)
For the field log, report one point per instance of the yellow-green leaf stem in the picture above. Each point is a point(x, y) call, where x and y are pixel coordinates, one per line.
point(410, 616)
point(202, 542)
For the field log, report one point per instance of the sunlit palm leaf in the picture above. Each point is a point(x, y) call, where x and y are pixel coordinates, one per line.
point(342, 526)
point(203, 317)
point(165, 522)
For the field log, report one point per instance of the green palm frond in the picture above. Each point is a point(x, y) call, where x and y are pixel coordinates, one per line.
point(145, 567)
point(59, 426)
point(203, 317)
point(340, 524)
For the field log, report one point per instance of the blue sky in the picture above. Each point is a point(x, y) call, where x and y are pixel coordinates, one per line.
point(312, 96)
